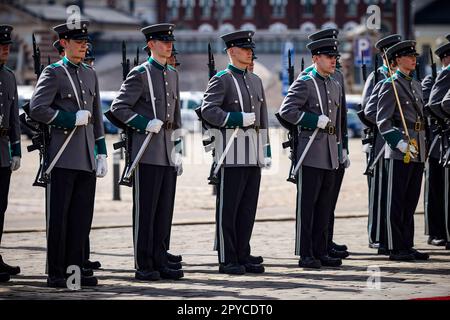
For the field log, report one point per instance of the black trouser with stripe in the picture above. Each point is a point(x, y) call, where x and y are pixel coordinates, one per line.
point(314, 204)
point(69, 209)
point(447, 203)
point(435, 198)
point(237, 200)
point(336, 190)
point(5, 178)
point(403, 192)
point(153, 198)
point(376, 219)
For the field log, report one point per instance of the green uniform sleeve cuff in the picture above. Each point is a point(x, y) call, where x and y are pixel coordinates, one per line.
point(138, 123)
point(234, 119)
point(100, 146)
point(64, 119)
point(15, 150)
point(267, 151)
point(309, 120)
point(393, 138)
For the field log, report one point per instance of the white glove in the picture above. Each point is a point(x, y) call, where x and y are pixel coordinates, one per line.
point(154, 126)
point(82, 117)
point(102, 166)
point(366, 148)
point(267, 163)
point(403, 147)
point(323, 121)
point(248, 118)
point(178, 163)
point(345, 158)
point(15, 163)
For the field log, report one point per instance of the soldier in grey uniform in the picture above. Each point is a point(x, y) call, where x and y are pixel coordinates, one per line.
point(336, 250)
point(149, 103)
point(436, 181)
point(404, 177)
point(10, 152)
point(314, 103)
point(377, 185)
point(235, 105)
point(67, 99)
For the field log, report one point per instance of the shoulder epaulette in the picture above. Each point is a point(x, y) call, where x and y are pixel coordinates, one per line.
point(305, 78)
point(141, 69)
point(55, 65)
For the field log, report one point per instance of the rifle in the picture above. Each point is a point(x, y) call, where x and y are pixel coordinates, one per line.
point(433, 66)
point(418, 70)
point(211, 63)
point(375, 75)
point(125, 61)
point(41, 135)
point(303, 64)
point(125, 142)
point(290, 68)
point(363, 68)
point(293, 133)
point(136, 60)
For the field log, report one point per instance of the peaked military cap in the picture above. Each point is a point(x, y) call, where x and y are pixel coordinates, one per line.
point(57, 45)
point(89, 53)
point(324, 34)
point(324, 46)
point(76, 30)
point(387, 42)
point(5, 34)
point(161, 32)
point(403, 48)
point(240, 39)
point(443, 51)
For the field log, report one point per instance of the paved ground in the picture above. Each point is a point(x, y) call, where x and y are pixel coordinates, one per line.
point(193, 237)
point(274, 240)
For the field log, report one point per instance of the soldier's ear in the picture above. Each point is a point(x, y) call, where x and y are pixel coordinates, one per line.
point(64, 42)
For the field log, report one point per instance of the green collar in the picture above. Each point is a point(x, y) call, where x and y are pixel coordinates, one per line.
point(156, 64)
point(404, 76)
point(385, 68)
point(236, 70)
point(69, 63)
point(318, 75)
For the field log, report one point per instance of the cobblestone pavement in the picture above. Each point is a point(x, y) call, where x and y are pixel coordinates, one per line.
point(192, 236)
point(274, 240)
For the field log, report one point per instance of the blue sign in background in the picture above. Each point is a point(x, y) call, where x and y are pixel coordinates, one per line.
point(362, 47)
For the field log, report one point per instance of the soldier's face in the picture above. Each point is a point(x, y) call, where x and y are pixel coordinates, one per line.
point(407, 63)
point(446, 61)
point(161, 48)
point(242, 55)
point(4, 52)
point(75, 49)
point(325, 63)
point(172, 61)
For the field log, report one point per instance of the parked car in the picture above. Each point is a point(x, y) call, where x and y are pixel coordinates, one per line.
point(352, 101)
point(189, 101)
point(354, 126)
point(24, 94)
point(106, 99)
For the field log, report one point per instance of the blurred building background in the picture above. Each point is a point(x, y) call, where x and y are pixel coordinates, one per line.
point(200, 22)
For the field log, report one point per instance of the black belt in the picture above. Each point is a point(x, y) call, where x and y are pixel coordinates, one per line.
point(331, 130)
point(416, 126)
point(4, 132)
point(168, 125)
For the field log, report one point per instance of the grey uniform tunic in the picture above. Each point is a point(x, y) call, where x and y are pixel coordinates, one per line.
point(9, 117)
point(133, 107)
point(54, 103)
point(439, 89)
point(370, 84)
point(343, 137)
point(446, 102)
point(301, 107)
point(221, 105)
point(388, 115)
